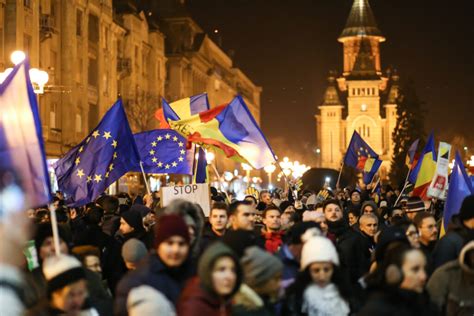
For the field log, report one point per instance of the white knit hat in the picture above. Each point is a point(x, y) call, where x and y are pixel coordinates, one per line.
point(62, 270)
point(145, 300)
point(318, 249)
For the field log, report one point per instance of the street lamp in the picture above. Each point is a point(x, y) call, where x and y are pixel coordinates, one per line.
point(39, 78)
point(210, 156)
point(269, 170)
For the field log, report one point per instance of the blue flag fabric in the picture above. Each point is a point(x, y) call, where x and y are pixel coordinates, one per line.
point(106, 154)
point(200, 175)
point(460, 186)
point(164, 151)
point(360, 156)
point(21, 139)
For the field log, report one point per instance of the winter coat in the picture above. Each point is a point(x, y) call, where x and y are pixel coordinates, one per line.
point(273, 240)
point(155, 273)
point(248, 303)
point(449, 246)
point(291, 266)
point(113, 267)
point(111, 224)
point(208, 237)
point(199, 297)
point(360, 256)
point(390, 301)
point(346, 239)
point(195, 301)
point(451, 286)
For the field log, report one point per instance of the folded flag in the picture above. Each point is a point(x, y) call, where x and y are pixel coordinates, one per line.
point(411, 153)
point(106, 154)
point(460, 186)
point(200, 167)
point(21, 139)
point(360, 156)
point(181, 109)
point(424, 170)
point(163, 151)
point(231, 129)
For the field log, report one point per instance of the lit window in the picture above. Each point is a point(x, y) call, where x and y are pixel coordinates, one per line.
point(363, 107)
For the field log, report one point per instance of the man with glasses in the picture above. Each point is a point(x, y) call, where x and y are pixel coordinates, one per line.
point(428, 232)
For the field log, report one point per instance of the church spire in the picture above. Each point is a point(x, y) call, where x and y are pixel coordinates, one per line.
point(361, 21)
point(364, 66)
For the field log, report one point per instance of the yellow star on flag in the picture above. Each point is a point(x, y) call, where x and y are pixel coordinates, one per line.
point(159, 138)
point(160, 164)
point(89, 179)
point(154, 159)
point(152, 152)
point(78, 160)
point(107, 135)
point(180, 144)
point(167, 166)
point(180, 158)
point(153, 144)
point(114, 143)
point(182, 151)
point(88, 139)
point(98, 178)
point(107, 174)
point(175, 138)
point(174, 164)
point(167, 136)
point(111, 167)
point(96, 134)
point(81, 149)
point(80, 173)
point(115, 155)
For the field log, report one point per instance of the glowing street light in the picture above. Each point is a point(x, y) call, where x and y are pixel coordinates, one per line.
point(210, 156)
point(247, 168)
point(17, 57)
point(269, 170)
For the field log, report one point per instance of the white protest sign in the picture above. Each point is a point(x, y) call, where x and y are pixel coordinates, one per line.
point(439, 184)
point(196, 193)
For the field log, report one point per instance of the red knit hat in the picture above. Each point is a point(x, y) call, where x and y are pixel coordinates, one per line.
point(168, 226)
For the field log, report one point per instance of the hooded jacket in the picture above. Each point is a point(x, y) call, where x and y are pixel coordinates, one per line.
point(199, 296)
point(451, 286)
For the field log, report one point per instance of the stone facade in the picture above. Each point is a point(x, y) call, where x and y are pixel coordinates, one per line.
point(362, 99)
point(97, 50)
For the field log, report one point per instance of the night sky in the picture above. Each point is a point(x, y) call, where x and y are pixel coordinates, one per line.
point(288, 47)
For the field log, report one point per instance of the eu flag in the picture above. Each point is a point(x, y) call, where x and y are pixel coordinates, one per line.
point(164, 151)
point(360, 156)
point(106, 154)
point(21, 140)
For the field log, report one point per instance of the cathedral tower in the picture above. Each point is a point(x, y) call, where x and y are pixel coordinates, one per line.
point(362, 98)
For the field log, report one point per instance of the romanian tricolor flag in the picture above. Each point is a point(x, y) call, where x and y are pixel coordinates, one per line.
point(424, 170)
point(181, 109)
point(411, 154)
point(231, 129)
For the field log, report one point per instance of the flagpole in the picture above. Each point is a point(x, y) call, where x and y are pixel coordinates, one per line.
point(54, 225)
point(144, 178)
point(339, 177)
point(404, 187)
point(376, 184)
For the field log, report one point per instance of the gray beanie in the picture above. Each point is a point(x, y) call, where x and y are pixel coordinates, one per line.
point(133, 250)
point(259, 266)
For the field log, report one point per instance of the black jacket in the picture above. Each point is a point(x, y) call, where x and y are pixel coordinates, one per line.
point(395, 302)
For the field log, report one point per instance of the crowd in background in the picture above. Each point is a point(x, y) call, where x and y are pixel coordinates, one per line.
point(348, 252)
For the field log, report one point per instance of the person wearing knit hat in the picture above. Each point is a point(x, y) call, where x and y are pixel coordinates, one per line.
point(413, 205)
point(460, 232)
point(145, 300)
point(166, 269)
point(262, 278)
point(66, 286)
point(318, 289)
point(44, 241)
point(369, 207)
point(133, 252)
point(219, 278)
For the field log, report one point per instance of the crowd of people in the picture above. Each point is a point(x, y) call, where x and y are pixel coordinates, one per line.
point(348, 252)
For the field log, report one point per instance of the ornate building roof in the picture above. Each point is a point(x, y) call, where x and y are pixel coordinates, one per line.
point(361, 21)
point(364, 66)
